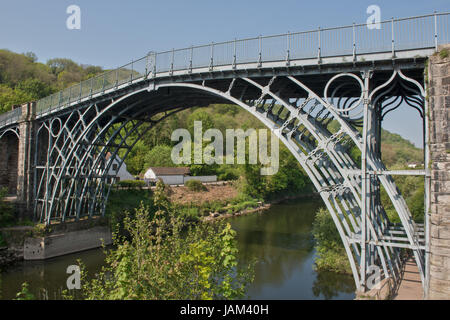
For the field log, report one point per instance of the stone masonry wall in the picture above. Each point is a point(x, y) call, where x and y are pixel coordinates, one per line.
point(8, 159)
point(439, 117)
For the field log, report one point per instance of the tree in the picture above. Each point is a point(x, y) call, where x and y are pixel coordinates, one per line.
point(59, 65)
point(204, 117)
point(159, 156)
point(31, 55)
point(35, 88)
point(10, 97)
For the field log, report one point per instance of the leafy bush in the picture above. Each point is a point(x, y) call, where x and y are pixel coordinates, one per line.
point(331, 255)
point(131, 184)
point(227, 176)
point(190, 214)
point(24, 293)
point(121, 201)
point(165, 259)
point(195, 185)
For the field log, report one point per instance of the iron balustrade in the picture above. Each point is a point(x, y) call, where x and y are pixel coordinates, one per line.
point(10, 117)
point(420, 32)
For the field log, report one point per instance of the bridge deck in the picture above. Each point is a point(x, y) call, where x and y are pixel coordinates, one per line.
point(411, 285)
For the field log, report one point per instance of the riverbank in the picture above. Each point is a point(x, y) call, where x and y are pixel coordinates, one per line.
point(261, 207)
point(12, 251)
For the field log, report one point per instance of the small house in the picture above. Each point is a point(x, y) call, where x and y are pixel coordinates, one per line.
point(169, 175)
point(116, 170)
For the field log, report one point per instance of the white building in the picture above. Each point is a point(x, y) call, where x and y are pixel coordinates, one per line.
point(174, 175)
point(121, 173)
point(414, 165)
point(169, 175)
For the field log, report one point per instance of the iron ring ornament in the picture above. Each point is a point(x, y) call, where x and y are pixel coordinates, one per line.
point(353, 105)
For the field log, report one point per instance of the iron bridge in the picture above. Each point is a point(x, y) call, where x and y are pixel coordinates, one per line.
point(334, 87)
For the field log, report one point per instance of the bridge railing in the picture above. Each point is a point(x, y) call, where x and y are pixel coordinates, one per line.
point(10, 117)
point(389, 36)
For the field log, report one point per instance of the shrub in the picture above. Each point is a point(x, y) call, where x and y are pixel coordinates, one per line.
point(131, 184)
point(164, 260)
point(24, 293)
point(195, 185)
point(227, 176)
point(444, 53)
point(331, 255)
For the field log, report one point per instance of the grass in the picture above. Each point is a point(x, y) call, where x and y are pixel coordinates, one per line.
point(444, 53)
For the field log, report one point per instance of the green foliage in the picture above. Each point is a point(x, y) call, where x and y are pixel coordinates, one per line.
point(204, 117)
point(136, 158)
point(397, 151)
point(227, 173)
point(331, 255)
point(159, 156)
point(412, 190)
point(35, 88)
point(40, 230)
point(23, 79)
point(289, 180)
point(227, 109)
point(24, 293)
point(444, 53)
point(131, 184)
point(123, 200)
point(195, 185)
point(10, 97)
point(165, 259)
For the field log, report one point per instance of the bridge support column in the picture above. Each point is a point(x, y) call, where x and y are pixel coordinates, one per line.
point(24, 169)
point(439, 218)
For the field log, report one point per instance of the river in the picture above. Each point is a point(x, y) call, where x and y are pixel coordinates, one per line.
point(280, 238)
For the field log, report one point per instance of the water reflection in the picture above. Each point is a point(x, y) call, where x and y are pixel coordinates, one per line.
point(280, 238)
point(330, 285)
point(47, 278)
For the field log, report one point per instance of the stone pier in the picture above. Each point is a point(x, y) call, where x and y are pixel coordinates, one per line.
point(439, 130)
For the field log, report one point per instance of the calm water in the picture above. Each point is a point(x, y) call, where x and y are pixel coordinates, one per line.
point(280, 238)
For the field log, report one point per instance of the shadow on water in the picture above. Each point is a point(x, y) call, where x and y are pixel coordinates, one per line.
point(280, 238)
